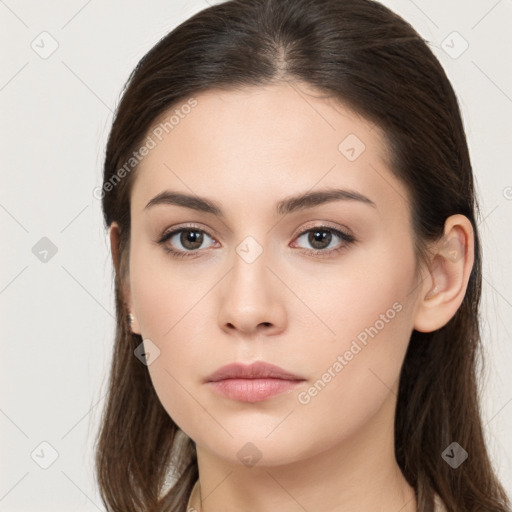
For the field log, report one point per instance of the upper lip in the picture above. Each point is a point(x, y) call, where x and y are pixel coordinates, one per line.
point(256, 370)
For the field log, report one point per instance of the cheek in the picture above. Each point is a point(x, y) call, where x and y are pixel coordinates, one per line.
point(368, 297)
point(370, 312)
point(372, 338)
point(353, 377)
point(172, 311)
point(177, 372)
point(162, 290)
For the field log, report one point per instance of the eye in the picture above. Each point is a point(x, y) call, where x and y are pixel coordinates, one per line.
point(321, 237)
point(190, 238)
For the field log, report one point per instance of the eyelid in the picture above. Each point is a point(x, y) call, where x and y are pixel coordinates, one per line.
point(323, 224)
point(189, 225)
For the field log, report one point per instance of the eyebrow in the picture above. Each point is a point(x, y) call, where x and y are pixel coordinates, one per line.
point(284, 207)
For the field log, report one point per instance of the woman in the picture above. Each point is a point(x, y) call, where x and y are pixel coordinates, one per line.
point(289, 196)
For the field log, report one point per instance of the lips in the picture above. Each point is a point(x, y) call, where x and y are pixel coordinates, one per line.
point(256, 370)
point(256, 382)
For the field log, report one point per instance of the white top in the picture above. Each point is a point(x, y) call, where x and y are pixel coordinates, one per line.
point(438, 504)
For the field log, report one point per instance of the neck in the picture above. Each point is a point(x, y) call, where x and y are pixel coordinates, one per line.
point(358, 473)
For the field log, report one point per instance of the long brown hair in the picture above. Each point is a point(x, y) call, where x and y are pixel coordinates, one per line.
point(367, 57)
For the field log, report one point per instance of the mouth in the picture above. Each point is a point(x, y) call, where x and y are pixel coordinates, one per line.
point(252, 383)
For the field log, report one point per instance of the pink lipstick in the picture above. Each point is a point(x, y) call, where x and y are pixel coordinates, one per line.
point(252, 383)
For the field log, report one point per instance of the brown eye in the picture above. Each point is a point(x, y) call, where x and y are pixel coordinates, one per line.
point(191, 239)
point(320, 238)
point(183, 242)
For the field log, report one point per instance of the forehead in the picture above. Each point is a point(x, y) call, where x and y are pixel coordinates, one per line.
point(250, 143)
point(268, 116)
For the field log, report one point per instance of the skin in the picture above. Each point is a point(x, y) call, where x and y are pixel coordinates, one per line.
point(247, 150)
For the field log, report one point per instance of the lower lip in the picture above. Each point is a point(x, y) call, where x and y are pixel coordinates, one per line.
point(253, 390)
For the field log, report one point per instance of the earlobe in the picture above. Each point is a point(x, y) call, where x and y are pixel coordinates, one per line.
point(133, 324)
point(445, 286)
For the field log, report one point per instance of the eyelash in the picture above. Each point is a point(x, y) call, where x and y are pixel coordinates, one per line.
point(348, 239)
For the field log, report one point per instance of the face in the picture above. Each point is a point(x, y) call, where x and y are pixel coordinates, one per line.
point(322, 288)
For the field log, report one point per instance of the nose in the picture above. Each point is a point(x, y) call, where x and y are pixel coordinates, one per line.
point(251, 301)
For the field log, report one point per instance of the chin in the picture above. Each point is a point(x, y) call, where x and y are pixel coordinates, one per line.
point(256, 449)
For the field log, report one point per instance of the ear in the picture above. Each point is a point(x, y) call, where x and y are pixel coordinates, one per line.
point(115, 233)
point(443, 290)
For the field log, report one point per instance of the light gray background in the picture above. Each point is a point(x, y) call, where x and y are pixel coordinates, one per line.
point(57, 316)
